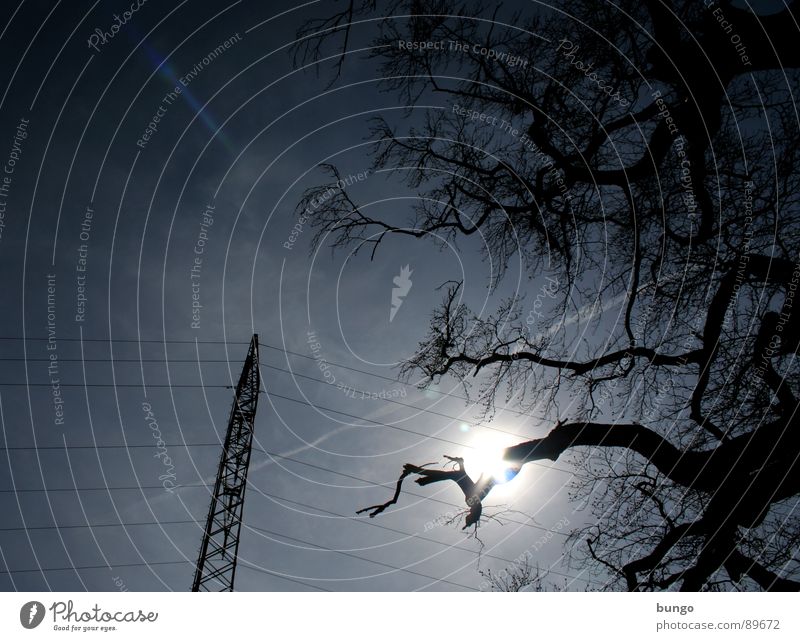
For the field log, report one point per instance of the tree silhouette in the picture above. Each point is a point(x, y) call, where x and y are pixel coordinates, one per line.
point(520, 577)
point(643, 156)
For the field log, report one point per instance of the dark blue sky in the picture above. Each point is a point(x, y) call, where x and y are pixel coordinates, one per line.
point(246, 135)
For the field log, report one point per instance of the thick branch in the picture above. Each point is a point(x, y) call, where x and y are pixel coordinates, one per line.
point(685, 468)
point(738, 565)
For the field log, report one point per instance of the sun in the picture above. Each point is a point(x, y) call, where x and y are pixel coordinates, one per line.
point(485, 456)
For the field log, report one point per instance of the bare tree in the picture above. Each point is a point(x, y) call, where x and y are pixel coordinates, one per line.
point(646, 161)
point(520, 577)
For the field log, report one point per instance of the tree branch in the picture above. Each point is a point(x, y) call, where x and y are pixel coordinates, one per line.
point(685, 468)
point(737, 565)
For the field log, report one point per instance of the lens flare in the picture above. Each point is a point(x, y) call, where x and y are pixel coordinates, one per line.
point(486, 457)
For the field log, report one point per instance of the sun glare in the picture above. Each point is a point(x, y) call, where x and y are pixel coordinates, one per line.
point(486, 457)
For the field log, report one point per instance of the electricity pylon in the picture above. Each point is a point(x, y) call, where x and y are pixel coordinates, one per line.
point(216, 565)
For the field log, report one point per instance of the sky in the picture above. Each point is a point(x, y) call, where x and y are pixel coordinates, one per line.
point(147, 235)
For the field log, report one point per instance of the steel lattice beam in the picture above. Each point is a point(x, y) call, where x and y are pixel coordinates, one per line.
point(216, 564)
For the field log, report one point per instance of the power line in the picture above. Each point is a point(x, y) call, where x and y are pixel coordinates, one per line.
point(100, 488)
point(104, 447)
point(294, 400)
point(91, 526)
point(149, 564)
point(359, 418)
point(408, 405)
point(423, 538)
point(123, 340)
point(304, 402)
point(197, 361)
point(361, 558)
point(93, 567)
point(273, 367)
point(373, 374)
point(263, 365)
point(287, 398)
point(166, 361)
point(115, 385)
point(243, 563)
point(259, 529)
point(403, 429)
point(272, 347)
point(369, 483)
point(58, 448)
point(265, 494)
